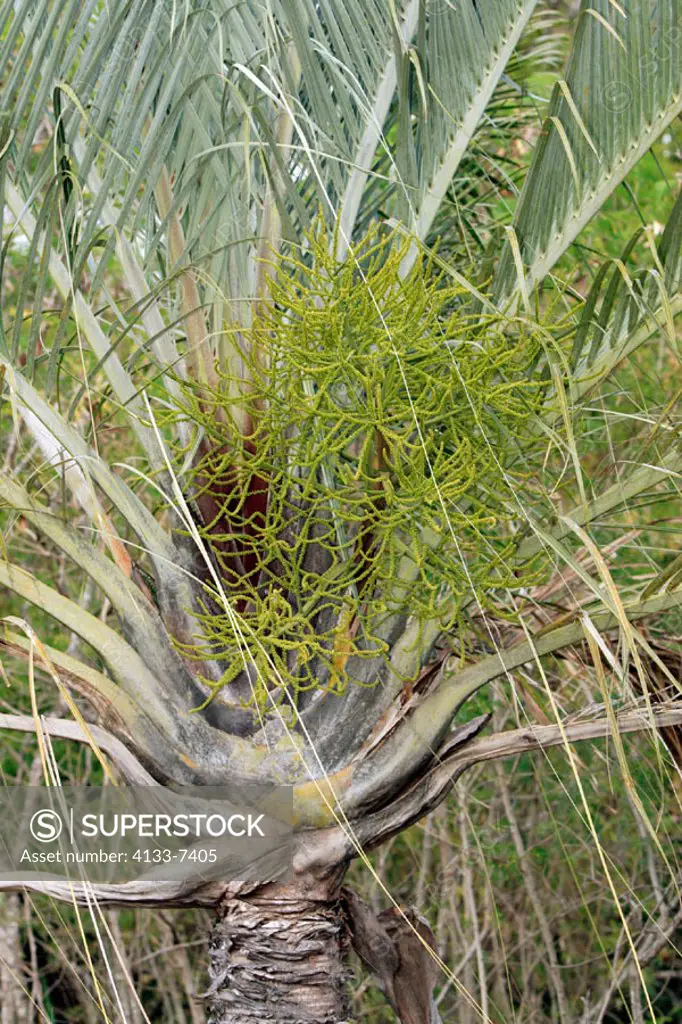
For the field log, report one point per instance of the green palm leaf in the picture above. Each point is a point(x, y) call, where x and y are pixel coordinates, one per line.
point(623, 85)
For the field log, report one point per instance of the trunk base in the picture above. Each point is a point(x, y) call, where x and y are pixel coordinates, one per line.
point(278, 957)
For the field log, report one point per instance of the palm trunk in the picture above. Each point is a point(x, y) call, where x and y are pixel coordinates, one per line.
point(279, 957)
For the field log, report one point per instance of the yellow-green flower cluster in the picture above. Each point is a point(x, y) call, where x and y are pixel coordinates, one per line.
point(362, 461)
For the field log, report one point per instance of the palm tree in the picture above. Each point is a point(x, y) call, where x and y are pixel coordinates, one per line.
point(297, 450)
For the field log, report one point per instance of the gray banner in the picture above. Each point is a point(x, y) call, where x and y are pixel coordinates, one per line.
point(241, 832)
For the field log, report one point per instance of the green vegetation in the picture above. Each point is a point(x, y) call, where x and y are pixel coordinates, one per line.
point(360, 463)
point(340, 420)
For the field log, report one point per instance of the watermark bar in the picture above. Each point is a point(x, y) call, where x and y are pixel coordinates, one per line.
point(241, 832)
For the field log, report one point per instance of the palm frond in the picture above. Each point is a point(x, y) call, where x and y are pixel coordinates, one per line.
point(622, 87)
point(466, 49)
point(623, 309)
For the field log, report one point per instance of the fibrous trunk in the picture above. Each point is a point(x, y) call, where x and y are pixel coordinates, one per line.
point(279, 957)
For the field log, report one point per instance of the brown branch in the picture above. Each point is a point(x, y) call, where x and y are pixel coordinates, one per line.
point(518, 741)
point(332, 845)
point(139, 892)
point(410, 747)
point(318, 849)
point(130, 768)
point(117, 711)
point(397, 946)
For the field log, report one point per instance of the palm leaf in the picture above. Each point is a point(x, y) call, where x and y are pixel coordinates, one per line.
point(623, 86)
point(623, 310)
point(466, 49)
